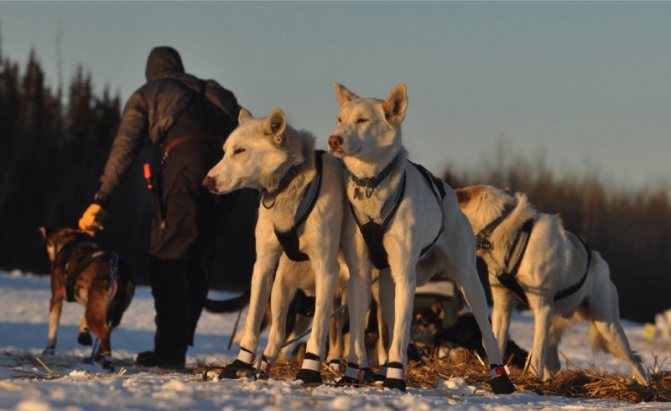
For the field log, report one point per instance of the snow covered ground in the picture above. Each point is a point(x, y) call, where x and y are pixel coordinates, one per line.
point(24, 301)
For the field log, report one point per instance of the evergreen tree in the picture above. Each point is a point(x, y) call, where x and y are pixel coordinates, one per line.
point(31, 120)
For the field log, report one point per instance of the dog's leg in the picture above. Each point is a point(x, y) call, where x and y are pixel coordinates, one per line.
point(104, 354)
point(404, 278)
point(504, 303)
point(607, 332)
point(96, 317)
point(358, 301)
point(262, 280)
point(542, 309)
point(615, 342)
point(557, 326)
point(467, 279)
point(55, 308)
point(326, 271)
point(84, 337)
point(334, 355)
point(283, 291)
point(385, 317)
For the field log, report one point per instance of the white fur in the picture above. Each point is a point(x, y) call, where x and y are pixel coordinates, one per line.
point(257, 155)
point(554, 260)
point(371, 138)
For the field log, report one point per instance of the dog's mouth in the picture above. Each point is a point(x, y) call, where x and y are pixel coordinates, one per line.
point(341, 152)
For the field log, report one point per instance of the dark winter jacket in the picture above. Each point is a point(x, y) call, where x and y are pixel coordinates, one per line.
point(154, 108)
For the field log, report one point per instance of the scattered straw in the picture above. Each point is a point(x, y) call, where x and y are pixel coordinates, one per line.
point(44, 365)
point(573, 382)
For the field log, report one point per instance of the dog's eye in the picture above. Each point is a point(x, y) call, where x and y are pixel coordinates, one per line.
point(338, 120)
point(238, 150)
point(362, 120)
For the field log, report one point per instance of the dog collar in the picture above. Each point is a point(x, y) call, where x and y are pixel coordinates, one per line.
point(291, 174)
point(370, 183)
point(482, 238)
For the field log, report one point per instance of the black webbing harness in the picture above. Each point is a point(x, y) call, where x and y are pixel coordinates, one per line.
point(289, 239)
point(508, 278)
point(84, 253)
point(373, 232)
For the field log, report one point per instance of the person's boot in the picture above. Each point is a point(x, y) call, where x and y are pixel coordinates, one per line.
point(162, 358)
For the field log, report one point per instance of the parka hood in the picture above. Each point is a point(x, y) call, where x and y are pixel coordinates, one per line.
point(161, 60)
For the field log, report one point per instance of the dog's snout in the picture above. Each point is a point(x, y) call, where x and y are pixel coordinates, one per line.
point(209, 183)
point(335, 141)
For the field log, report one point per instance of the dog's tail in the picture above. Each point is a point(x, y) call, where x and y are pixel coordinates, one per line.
point(227, 306)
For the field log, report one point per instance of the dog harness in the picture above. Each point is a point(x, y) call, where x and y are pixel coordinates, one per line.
point(373, 232)
point(80, 253)
point(508, 278)
point(289, 239)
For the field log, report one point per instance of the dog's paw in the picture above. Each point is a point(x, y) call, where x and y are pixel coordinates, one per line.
point(346, 381)
point(49, 351)
point(84, 338)
point(370, 377)
point(395, 377)
point(263, 372)
point(106, 364)
point(500, 381)
point(237, 369)
point(394, 384)
point(261, 375)
point(309, 377)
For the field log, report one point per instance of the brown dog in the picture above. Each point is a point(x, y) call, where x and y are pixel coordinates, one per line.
point(91, 276)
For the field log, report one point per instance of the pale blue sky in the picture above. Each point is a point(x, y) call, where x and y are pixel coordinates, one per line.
point(588, 83)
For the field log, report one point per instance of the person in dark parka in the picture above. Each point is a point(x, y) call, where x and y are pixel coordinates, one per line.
point(188, 119)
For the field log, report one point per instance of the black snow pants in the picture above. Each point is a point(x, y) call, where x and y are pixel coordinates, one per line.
point(182, 243)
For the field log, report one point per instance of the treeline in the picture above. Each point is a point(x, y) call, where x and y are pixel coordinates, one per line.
point(630, 228)
point(53, 147)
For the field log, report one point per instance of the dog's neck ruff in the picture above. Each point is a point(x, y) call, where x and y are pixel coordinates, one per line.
point(289, 239)
point(371, 183)
point(482, 238)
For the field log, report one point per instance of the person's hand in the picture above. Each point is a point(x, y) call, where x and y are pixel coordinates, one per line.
point(92, 219)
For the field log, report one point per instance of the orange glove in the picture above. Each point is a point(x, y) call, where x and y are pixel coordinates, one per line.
point(92, 219)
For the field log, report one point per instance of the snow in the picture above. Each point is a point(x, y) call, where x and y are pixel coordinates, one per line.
point(26, 385)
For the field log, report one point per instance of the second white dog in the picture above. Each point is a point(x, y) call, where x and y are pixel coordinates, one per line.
point(406, 220)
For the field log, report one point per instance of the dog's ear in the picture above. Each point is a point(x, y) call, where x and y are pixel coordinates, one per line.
point(463, 195)
point(343, 94)
point(43, 231)
point(275, 125)
point(244, 115)
point(396, 104)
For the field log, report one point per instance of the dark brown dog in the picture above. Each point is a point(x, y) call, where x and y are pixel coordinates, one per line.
point(95, 278)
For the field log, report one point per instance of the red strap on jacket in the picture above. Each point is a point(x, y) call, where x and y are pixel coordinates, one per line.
point(177, 141)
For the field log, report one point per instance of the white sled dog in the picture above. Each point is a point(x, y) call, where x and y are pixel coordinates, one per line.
point(530, 256)
point(300, 219)
point(402, 218)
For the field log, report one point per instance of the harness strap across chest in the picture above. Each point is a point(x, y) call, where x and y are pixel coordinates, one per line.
point(508, 278)
point(373, 232)
point(289, 239)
